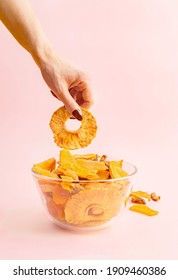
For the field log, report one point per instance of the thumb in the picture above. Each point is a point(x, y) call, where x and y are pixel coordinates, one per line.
point(71, 105)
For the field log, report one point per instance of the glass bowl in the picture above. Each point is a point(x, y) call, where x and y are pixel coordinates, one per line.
point(84, 204)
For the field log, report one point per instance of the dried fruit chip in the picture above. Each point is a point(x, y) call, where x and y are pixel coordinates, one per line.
point(43, 172)
point(44, 168)
point(87, 156)
point(103, 174)
point(48, 164)
point(59, 194)
point(67, 161)
point(115, 169)
point(138, 200)
point(92, 205)
point(57, 211)
point(155, 197)
point(66, 184)
point(140, 194)
point(73, 139)
point(143, 209)
point(98, 165)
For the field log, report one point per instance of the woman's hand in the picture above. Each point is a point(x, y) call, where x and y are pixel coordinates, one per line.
point(68, 84)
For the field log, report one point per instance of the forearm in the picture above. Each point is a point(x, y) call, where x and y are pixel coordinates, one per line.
point(22, 23)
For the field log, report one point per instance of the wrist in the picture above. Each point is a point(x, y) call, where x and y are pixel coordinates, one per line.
point(42, 53)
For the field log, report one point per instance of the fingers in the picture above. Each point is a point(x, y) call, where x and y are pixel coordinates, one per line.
point(70, 104)
point(82, 95)
point(78, 94)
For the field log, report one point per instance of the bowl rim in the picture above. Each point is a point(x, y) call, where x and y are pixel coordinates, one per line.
point(35, 174)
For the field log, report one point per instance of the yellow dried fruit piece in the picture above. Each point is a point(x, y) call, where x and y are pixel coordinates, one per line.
point(59, 194)
point(48, 164)
point(72, 140)
point(45, 167)
point(92, 205)
point(143, 209)
point(72, 174)
point(86, 156)
point(44, 172)
point(103, 174)
point(98, 165)
point(140, 194)
point(115, 169)
point(66, 184)
point(138, 200)
point(57, 172)
point(67, 161)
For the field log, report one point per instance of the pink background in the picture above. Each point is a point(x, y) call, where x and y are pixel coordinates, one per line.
point(130, 51)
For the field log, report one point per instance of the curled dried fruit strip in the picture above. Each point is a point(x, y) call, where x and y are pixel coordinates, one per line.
point(155, 197)
point(138, 200)
point(72, 140)
point(143, 209)
point(140, 194)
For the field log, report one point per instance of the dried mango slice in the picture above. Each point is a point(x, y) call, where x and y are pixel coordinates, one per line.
point(98, 165)
point(48, 164)
point(115, 169)
point(103, 174)
point(71, 173)
point(59, 194)
point(92, 205)
point(44, 172)
point(67, 161)
point(67, 185)
point(138, 200)
point(72, 140)
point(140, 194)
point(143, 209)
point(45, 167)
point(86, 156)
point(57, 211)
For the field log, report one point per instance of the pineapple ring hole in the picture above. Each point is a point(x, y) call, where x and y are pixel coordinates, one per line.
point(72, 125)
point(95, 210)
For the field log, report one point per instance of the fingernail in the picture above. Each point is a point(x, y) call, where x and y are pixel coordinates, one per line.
point(53, 93)
point(77, 115)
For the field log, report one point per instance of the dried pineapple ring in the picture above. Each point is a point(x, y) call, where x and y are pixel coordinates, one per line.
point(72, 140)
point(92, 205)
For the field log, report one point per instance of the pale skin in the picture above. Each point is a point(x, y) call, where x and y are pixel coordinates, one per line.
point(68, 84)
